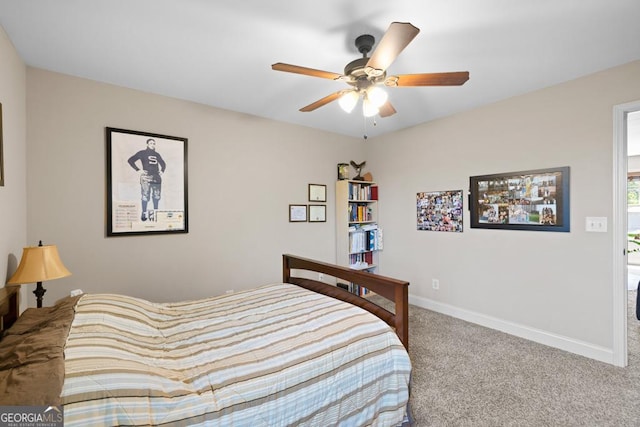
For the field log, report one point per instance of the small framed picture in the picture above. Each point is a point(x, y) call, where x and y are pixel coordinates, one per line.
point(297, 213)
point(343, 171)
point(317, 193)
point(317, 213)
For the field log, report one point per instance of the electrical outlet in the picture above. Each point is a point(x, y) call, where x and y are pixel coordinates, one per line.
point(435, 283)
point(229, 291)
point(320, 276)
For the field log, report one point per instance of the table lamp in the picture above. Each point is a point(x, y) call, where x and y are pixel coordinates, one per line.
point(38, 264)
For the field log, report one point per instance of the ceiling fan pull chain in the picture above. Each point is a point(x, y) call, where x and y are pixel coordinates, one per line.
point(364, 128)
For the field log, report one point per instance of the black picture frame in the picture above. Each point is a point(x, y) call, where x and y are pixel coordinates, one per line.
point(146, 183)
point(534, 200)
point(317, 193)
point(317, 213)
point(343, 171)
point(298, 213)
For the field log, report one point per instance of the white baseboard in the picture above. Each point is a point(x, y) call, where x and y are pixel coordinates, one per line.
point(582, 348)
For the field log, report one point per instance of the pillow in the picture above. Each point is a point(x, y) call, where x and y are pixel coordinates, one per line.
point(32, 355)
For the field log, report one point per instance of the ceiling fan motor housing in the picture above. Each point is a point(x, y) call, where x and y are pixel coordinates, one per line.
point(364, 43)
point(356, 71)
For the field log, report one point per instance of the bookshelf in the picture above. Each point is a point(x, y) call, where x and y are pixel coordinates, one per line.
point(358, 236)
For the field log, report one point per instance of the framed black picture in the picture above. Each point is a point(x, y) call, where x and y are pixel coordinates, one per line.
point(536, 200)
point(146, 183)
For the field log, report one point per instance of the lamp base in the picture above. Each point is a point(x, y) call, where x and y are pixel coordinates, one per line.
point(39, 293)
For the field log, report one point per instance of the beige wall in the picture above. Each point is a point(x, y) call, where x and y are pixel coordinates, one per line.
point(243, 172)
point(13, 199)
point(556, 286)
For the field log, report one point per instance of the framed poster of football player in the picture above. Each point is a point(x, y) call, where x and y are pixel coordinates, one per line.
point(146, 183)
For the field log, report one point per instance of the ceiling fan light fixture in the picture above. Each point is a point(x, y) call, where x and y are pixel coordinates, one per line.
point(348, 101)
point(366, 73)
point(377, 96)
point(368, 108)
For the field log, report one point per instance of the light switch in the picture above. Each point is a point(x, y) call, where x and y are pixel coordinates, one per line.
point(596, 224)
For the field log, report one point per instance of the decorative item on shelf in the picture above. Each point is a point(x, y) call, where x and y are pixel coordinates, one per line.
point(358, 167)
point(38, 264)
point(343, 171)
point(368, 177)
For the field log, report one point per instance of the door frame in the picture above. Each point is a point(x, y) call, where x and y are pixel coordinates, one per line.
point(619, 229)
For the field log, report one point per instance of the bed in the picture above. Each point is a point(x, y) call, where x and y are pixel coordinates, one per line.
point(300, 352)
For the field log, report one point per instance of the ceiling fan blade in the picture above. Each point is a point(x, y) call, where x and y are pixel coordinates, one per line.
point(324, 101)
point(455, 78)
point(387, 110)
point(397, 37)
point(279, 66)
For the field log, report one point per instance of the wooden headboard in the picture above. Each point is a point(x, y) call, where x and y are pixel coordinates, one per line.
point(9, 306)
point(394, 290)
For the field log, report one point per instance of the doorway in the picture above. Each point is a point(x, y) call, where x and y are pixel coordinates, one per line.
point(626, 118)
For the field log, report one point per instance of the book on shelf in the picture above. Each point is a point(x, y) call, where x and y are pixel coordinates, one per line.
point(367, 237)
point(361, 261)
point(360, 212)
point(374, 192)
point(360, 192)
point(354, 288)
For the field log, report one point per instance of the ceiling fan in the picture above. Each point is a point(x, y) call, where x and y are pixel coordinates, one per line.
point(366, 75)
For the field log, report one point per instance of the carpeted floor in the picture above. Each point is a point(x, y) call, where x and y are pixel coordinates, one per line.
point(468, 375)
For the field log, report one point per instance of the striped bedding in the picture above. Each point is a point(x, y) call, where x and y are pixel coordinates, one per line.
point(278, 355)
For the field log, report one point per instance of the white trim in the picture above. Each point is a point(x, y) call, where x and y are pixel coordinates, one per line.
point(582, 348)
point(619, 229)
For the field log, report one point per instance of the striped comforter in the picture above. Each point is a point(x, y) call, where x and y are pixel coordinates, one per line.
point(278, 355)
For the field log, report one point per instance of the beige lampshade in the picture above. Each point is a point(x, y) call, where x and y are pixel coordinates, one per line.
point(39, 264)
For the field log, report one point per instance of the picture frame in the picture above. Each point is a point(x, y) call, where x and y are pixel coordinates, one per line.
point(440, 211)
point(534, 200)
point(1, 151)
point(297, 213)
point(317, 193)
point(317, 213)
point(343, 171)
point(146, 183)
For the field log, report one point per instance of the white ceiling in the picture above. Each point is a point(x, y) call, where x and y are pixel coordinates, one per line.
point(220, 53)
